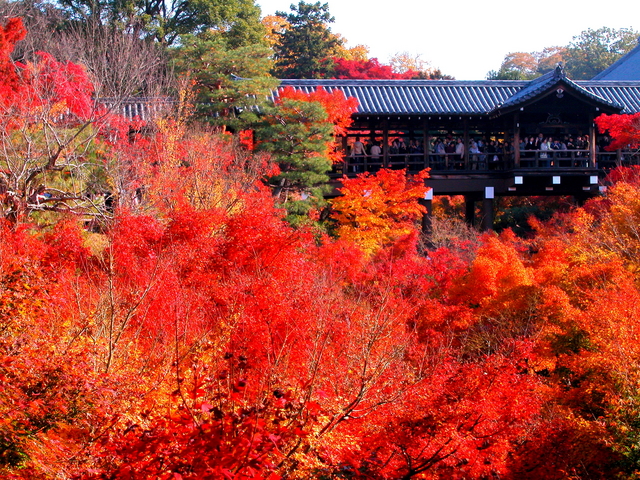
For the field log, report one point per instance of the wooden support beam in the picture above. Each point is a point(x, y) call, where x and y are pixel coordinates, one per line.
point(345, 155)
point(487, 208)
point(466, 144)
point(426, 143)
point(427, 224)
point(385, 144)
point(469, 209)
point(592, 142)
point(516, 140)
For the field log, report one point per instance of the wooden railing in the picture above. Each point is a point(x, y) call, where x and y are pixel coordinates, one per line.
point(487, 162)
point(621, 158)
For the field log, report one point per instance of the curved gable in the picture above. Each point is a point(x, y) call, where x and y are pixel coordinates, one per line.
point(554, 82)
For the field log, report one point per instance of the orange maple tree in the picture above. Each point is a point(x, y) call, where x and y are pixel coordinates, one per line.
point(375, 210)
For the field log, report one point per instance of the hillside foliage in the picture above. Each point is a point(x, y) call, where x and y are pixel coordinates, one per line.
point(189, 331)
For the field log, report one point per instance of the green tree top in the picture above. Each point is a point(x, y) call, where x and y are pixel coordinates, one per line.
point(297, 133)
point(305, 46)
point(593, 51)
point(231, 83)
point(166, 20)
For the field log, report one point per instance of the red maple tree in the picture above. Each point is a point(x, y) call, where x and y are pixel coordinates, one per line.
point(370, 69)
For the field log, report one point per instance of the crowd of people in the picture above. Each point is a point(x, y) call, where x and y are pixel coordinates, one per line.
point(448, 152)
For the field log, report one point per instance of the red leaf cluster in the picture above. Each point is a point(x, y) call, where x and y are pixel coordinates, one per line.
point(370, 69)
point(198, 335)
point(624, 130)
point(338, 108)
point(27, 89)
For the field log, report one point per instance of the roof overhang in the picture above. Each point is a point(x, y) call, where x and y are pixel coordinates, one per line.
point(553, 83)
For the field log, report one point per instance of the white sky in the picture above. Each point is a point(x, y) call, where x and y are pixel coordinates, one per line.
point(467, 38)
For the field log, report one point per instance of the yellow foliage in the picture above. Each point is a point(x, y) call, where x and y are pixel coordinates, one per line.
point(274, 25)
point(376, 210)
point(359, 52)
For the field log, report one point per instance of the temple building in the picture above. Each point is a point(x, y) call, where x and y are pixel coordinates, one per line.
point(484, 139)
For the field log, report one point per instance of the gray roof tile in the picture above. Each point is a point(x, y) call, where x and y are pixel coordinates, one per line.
point(454, 97)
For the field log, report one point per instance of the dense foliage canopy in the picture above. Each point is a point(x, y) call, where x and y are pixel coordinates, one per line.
point(187, 331)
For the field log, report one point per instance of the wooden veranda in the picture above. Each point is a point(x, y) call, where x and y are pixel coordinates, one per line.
point(407, 119)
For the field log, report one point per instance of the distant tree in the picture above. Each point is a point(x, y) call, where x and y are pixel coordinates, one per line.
point(516, 66)
point(42, 21)
point(403, 62)
point(549, 58)
point(47, 119)
point(359, 52)
point(274, 26)
point(369, 69)
point(593, 51)
point(528, 65)
point(139, 68)
point(119, 63)
point(506, 75)
point(624, 130)
point(305, 47)
point(165, 20)
point(434, 74)
point(416, 67)
point(377, 210)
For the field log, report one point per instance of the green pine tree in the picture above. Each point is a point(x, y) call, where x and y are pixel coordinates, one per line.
point(232, 81)
point(165, 21)
point(297, 134)
point(305, 47)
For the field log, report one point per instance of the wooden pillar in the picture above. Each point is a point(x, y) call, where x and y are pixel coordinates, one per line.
point(427, 203)
point(592, 142)
point(516, 140)
point(385, 142)
point(469, 209)
point(466, 143)
point(581, 199)
point(489, 128)
point(345, 155)
point(426, 143)
point(487, 209)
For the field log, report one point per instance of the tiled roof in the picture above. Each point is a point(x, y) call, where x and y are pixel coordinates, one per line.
point(473, 97)
point(550, 81)
point(626, 94)
point(408, 97)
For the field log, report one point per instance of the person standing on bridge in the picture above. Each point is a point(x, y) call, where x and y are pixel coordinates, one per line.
point(358, 153)
point(459, 159)
point(376, 151)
